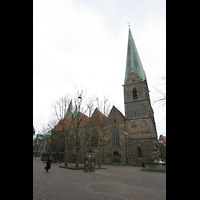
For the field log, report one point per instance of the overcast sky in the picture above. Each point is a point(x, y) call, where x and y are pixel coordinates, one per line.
point(84, 43)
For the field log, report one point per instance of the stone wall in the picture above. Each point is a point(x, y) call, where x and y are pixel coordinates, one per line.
point(157, 167)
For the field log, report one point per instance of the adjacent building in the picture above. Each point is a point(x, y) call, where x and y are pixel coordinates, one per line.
point(40, 142)
point(162, 143)
point(33, 130)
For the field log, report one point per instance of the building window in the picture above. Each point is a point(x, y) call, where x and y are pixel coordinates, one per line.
point(94, 142)
point(115, 137)
point(134, 93)
point(139, 152)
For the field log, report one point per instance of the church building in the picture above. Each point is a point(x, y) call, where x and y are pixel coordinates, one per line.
point(131, 138)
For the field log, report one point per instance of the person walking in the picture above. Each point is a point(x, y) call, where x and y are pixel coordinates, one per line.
point(48, 164)
point(142, 164)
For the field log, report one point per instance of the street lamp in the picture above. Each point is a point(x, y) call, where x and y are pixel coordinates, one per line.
point(77, 131)
point(126, 146)
point(79, 97)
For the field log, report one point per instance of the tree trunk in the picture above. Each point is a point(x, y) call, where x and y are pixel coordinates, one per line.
point(77, 151)
point(77, 158)
point(51, 151)
point(66, 153)
point(66, 158)
point(99, 159)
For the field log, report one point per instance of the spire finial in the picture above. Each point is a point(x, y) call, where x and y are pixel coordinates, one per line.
point(128, 24)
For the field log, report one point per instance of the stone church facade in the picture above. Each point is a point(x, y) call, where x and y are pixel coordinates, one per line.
point(133, 137)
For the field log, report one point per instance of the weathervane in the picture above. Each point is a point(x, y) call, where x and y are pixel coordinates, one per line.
point(128, 24)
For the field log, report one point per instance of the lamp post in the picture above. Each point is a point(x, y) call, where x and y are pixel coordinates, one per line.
point(77, 131)
point(126, 147)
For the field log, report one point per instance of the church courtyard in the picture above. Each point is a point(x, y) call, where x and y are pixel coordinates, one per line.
point(113, 183)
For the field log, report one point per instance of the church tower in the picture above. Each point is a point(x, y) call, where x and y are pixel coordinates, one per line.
point(142, 142)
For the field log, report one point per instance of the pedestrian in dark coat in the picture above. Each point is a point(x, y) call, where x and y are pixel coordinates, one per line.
point(142, 164)
point(48, 164)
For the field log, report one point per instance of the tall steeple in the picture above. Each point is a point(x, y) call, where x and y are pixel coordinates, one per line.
point(70, 112)
point(133, 60)
point(139, 116)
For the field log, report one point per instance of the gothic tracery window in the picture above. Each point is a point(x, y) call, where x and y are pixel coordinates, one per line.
point(94, 141)
point(115, 137)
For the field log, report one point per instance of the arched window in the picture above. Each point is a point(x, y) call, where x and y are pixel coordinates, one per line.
point(115, 137)
point(134, 93)
point(94, 141)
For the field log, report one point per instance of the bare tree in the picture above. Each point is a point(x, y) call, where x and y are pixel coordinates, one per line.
point(90, 125)
point(72, 122)
point(161, 92)
point(80, 123)
point(104, 131)
point(52, 142)
point(64, 121)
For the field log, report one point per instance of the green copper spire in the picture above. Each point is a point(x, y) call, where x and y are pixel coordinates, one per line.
point(133, 60)
point(69, 111)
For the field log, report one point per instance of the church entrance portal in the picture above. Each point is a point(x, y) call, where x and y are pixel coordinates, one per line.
point(116, 157)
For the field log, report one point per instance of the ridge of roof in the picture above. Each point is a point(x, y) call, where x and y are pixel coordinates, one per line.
point(67, 121)
point(120, 113)
point(102, 116)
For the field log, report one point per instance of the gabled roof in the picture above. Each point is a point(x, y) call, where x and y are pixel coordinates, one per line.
point(133, 60)
point(66, 122)
point(63, 123)
point(120, 113)
point(103, 117)
point(98, 117)
point(85, 119)
point(163, 137)
point(115, 116)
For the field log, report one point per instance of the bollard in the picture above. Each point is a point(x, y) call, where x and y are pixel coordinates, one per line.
point(86, 162)
point(92, 163)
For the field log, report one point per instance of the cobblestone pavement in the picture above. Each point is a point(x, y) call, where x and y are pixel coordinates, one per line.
point(113, 183)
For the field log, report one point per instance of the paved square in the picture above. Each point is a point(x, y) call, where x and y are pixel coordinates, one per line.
point(113, 183)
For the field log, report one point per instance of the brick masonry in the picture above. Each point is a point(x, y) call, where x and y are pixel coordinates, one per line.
point(137, 131)
point(139, 123)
